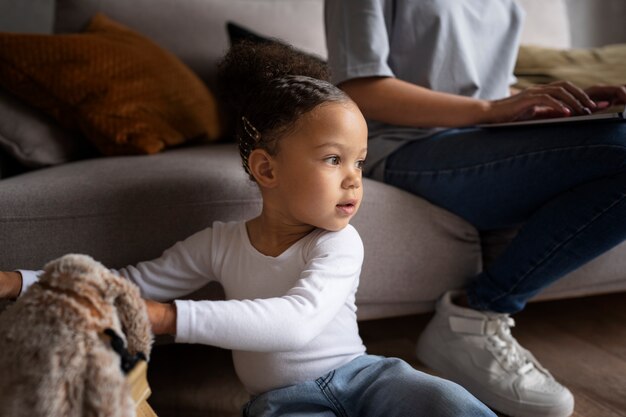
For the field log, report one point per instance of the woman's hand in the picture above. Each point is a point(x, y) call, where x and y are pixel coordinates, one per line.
point(607, 95)
point(10, 285)
point(162, 317)
point(558, 99)
point(394, 101)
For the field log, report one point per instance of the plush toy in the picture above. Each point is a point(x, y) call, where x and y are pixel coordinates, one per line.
point(68, 342)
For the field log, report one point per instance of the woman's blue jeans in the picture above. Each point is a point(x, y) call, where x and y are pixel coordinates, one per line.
point(565, 183)
point(369, 386)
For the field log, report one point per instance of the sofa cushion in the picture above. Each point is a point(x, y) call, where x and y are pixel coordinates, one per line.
point(195, 30)
point(237, 33)
point(547, 23)
point(33, 138)
point(126, 94)
point(584, 67)
point(32, 16)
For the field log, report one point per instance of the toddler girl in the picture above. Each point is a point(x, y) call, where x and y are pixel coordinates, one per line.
point(290, 275)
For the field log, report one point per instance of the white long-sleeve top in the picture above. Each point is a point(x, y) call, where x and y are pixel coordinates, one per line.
point(287, 319)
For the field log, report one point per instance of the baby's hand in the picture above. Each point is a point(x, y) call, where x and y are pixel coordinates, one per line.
point(10, 285)
point(162, 317)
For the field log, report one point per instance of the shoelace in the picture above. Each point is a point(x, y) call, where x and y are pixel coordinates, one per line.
point(505, 347)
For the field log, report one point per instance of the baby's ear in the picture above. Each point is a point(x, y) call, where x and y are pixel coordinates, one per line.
point(261, 165)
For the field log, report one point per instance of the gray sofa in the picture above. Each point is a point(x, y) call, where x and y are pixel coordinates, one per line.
point(125, 209)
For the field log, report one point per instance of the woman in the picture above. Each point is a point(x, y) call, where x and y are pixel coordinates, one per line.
point(421, 71)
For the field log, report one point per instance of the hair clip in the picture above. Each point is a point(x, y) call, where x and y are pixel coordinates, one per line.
point(250, 130)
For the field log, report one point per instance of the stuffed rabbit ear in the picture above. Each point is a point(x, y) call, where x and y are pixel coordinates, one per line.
point(72, 270)
point(133, 315)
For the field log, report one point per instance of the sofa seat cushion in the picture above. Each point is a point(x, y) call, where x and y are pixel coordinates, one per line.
point(122, 210)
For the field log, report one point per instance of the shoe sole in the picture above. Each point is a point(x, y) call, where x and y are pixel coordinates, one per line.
point(429, 357)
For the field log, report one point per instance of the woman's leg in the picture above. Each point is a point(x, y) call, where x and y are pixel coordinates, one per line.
point(565, 183)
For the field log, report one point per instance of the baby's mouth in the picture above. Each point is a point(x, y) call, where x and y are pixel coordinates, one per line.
point(347, 207)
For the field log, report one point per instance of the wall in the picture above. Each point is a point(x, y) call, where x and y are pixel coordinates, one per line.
point(592, 22)
point(597, 22)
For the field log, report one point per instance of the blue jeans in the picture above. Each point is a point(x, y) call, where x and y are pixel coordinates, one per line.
point(565, 183)
point(369, 386)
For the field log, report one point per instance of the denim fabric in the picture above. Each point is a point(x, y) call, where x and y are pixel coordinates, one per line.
point(566, 183)
point(369, 386)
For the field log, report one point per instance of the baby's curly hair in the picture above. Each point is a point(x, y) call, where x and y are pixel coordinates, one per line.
point(265, 87)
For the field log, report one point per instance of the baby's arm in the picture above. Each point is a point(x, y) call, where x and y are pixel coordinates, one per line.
point(10, 285)
point(327, 284)
point(162, 317)
point(180, 270)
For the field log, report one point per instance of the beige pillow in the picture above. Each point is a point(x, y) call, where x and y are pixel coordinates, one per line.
point(583, 67)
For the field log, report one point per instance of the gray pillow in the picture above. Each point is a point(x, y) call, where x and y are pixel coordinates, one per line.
point(33, 139)
point(32, 16)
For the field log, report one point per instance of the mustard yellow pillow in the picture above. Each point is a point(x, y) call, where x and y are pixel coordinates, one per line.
point(122, 91)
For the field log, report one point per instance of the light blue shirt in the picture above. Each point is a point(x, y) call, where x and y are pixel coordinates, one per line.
point(465, 47)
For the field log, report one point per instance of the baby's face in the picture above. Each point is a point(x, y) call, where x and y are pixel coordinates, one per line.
point(319, 166)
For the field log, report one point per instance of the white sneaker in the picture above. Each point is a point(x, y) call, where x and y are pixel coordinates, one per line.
point(476, 350)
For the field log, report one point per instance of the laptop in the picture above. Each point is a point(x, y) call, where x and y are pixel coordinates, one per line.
point(611, 113)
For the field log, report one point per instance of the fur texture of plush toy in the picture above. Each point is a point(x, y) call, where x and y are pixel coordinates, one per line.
point(56, 355)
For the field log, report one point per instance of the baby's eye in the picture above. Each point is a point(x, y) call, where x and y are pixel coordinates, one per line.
point(360, 164)
point(332, 160)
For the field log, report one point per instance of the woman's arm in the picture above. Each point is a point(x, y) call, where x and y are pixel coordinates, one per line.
point(393, 101)
point(398, 102)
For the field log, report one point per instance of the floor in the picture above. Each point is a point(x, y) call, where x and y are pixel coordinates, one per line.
point(581, 341)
